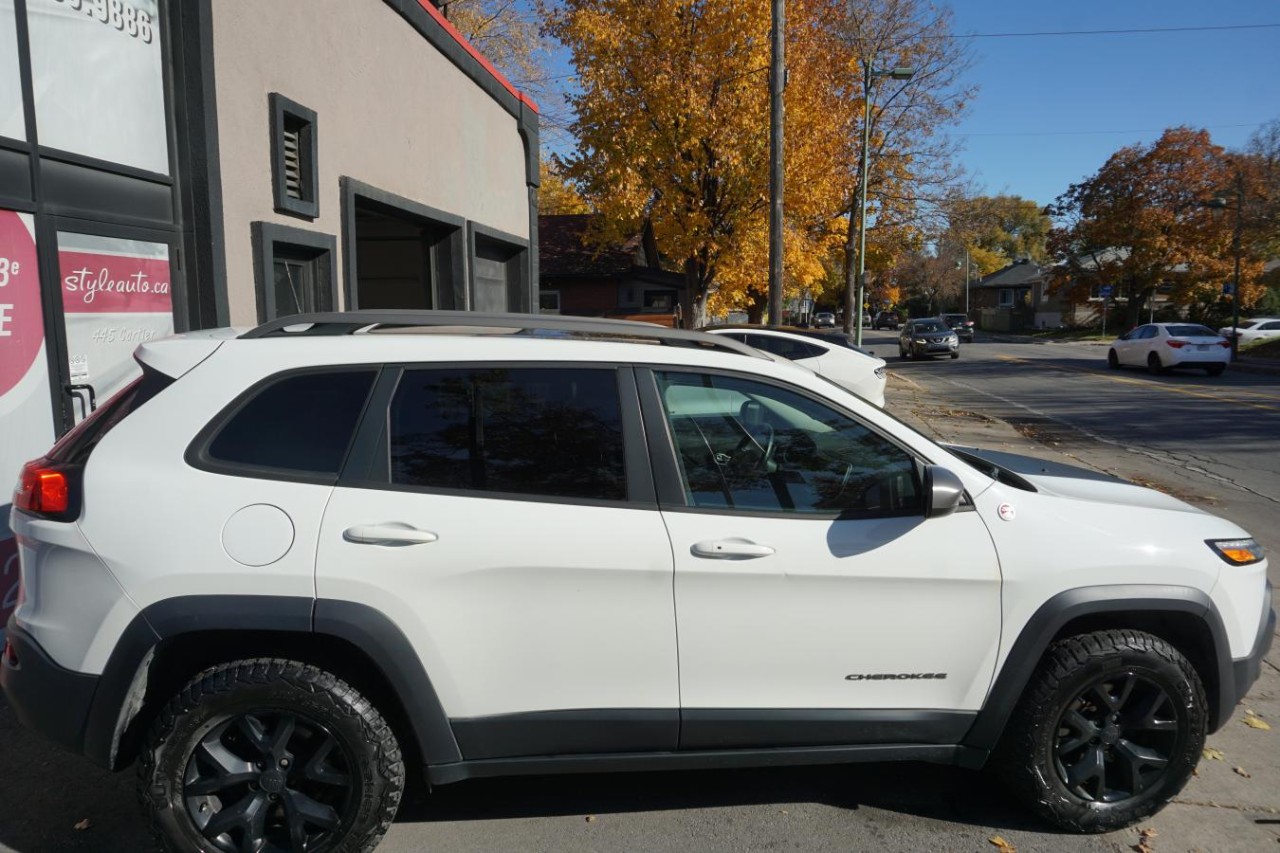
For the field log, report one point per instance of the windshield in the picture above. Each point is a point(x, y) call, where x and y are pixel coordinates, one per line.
point(929, 327)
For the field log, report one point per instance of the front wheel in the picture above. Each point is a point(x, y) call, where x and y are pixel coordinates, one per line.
point(955, 355)
point(1108, 730)
point(1113, 360)
point(270, 754)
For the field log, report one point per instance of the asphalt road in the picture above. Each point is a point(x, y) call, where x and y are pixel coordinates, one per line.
point(1213, 441)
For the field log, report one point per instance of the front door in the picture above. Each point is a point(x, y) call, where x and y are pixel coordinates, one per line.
point(808, 581)
point(498, 520)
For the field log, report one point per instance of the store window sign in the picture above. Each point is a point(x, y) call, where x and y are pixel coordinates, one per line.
point(116, 294)
point(98, 78)
point(26, 419)
point(12, 123)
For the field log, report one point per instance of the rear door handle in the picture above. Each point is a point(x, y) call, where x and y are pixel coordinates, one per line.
point(392, 533)
point(730, 549)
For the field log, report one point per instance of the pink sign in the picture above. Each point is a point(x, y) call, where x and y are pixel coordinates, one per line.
point(21, 321)
point(94, 283)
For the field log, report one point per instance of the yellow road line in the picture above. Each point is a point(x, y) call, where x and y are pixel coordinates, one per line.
point(1148, 384)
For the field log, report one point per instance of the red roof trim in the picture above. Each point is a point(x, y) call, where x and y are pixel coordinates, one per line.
point(467, 46)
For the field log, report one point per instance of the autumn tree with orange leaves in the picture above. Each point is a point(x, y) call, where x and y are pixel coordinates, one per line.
point(1142, 223)
point(672, 128)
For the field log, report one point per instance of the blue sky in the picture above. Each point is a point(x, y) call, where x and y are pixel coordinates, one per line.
point(1050, 110)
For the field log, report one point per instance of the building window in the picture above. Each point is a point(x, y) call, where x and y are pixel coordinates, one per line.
point(499, 272)
point(1006, 297)
point(549, 302)
point(659, 300)
point(293, 157)
point(294, 271)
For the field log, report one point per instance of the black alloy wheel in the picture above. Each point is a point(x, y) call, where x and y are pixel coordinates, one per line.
point(1106, 732)
point(267, 755)
point(1116, 738)
point(269, 780)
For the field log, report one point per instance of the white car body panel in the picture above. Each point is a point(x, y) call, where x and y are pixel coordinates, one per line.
point(1259, 329)
point(861, 374)
point(520, 605)
point(891, 595)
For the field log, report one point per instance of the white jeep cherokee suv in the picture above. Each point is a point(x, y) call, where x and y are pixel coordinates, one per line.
point(285, 564)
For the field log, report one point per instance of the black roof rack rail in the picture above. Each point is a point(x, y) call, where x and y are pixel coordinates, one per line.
point(350, 322)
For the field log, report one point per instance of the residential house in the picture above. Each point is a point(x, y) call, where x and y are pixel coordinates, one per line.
point(622, 281)
point(1015, 298)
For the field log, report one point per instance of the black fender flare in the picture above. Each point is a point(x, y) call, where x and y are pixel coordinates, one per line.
point(122, 686)
point(1049, 619)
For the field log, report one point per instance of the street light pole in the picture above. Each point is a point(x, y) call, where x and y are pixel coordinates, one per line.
point(1235, 287)
point(777, 81)
point(869, 76)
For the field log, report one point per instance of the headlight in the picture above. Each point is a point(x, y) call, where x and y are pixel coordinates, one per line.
point(1237, 552)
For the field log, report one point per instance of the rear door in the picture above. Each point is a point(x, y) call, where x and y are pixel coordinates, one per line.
point(503, 517)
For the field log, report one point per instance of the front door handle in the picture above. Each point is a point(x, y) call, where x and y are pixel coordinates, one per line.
point(392, 533)
point(730, 549)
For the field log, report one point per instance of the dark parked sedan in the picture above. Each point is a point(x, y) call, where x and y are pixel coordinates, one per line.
point(920, 338)
point(961, 325)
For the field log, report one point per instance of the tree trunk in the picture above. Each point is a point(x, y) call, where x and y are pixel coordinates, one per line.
point(755, 310)
point(693, 305)
point(850, 273)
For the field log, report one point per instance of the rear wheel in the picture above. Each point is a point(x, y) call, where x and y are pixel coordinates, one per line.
point(1215, 369)
point(1154, 365)
point(1113, 360)
point(1109, 729)
point(270, 754)
point(955, 355)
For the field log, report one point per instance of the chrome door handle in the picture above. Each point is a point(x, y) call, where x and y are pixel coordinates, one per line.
point(391, 534)
point(730, 549)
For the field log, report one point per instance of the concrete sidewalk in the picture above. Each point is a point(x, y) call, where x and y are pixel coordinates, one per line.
point(1233, 801)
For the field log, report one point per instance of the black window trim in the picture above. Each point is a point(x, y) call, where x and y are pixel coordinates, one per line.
point(375, 423)
point(197, 453)
point(282, 107)
point(264, 237)
point(666, 467)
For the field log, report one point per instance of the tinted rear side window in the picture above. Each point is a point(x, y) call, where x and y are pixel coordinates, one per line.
point(299, 423)
point(537, 431)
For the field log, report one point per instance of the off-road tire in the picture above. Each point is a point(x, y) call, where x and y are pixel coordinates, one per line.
point(1113, 360)
point(1027, 759)
point(372, 757)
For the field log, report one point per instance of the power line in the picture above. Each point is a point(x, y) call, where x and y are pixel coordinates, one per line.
point(1095, 132)
point(1144, 30)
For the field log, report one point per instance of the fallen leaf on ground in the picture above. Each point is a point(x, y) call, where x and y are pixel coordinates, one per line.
point(783, 811)
point(591, 818)
point(1002, 845)
point(1257, 723)
point(83, 825)
point(1240, 771)
point(1212, 754)
point(1145, 835)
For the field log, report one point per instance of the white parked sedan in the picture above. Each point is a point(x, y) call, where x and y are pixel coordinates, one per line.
point(1161, 346)
point(1257, 329)
point(828, 356)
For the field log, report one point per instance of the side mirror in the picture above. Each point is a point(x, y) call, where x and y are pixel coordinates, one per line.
point(943, 491)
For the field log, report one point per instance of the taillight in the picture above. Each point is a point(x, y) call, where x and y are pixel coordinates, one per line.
point(1225, 344)
point(47, 490)
point(1176, 344)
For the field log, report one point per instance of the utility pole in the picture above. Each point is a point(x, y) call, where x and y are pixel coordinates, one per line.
point(777, 82)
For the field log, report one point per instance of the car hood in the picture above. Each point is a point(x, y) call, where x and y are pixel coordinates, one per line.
point(1068, 481)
